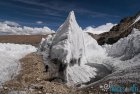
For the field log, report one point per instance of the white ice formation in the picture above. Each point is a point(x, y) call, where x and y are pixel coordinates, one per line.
point(9, 59)
point(75, 48)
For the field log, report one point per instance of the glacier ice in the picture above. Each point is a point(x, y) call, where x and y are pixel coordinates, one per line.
point(76, 57)
point(73, 43)
point(126, 58)
point(9, 59)
point(74, 49)
point(126, 48)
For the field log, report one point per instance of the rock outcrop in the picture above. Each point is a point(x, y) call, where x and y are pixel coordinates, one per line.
point(123, 29)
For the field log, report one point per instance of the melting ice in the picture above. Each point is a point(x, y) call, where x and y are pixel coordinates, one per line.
point(76, 50)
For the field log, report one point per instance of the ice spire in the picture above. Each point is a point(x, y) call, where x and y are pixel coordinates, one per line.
point(68, 40)
point(72, 49)
point(71, 18)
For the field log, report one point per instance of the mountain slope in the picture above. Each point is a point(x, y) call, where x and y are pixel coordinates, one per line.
point(123, 29)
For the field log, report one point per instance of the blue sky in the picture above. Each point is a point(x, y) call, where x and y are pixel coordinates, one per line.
point(52, 13)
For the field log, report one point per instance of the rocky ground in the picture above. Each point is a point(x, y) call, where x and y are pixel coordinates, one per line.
point(33, 79)
point(22, 39)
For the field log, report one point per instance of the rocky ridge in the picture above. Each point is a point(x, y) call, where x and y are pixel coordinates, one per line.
point(121, 30)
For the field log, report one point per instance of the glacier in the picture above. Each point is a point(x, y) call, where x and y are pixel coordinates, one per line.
point(75, 57)
point(75, 52)
point(9, 59)
point(124, 58)
point(126, 50)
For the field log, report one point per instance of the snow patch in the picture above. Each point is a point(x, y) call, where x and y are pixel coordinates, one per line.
point(9, 59)
point(99, 29)
point(137, 19)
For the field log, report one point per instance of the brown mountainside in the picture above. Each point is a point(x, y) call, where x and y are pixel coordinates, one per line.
point(123, 29)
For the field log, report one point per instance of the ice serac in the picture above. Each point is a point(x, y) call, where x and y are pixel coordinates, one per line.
point(75, 57)
point(126, 53)
point(74, 48)
point(68, 41)
point(126, 48)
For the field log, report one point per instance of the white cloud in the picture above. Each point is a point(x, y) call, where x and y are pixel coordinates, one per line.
point(13, 28)
point(99, 29)
point(10, 23)
point(39, 22)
